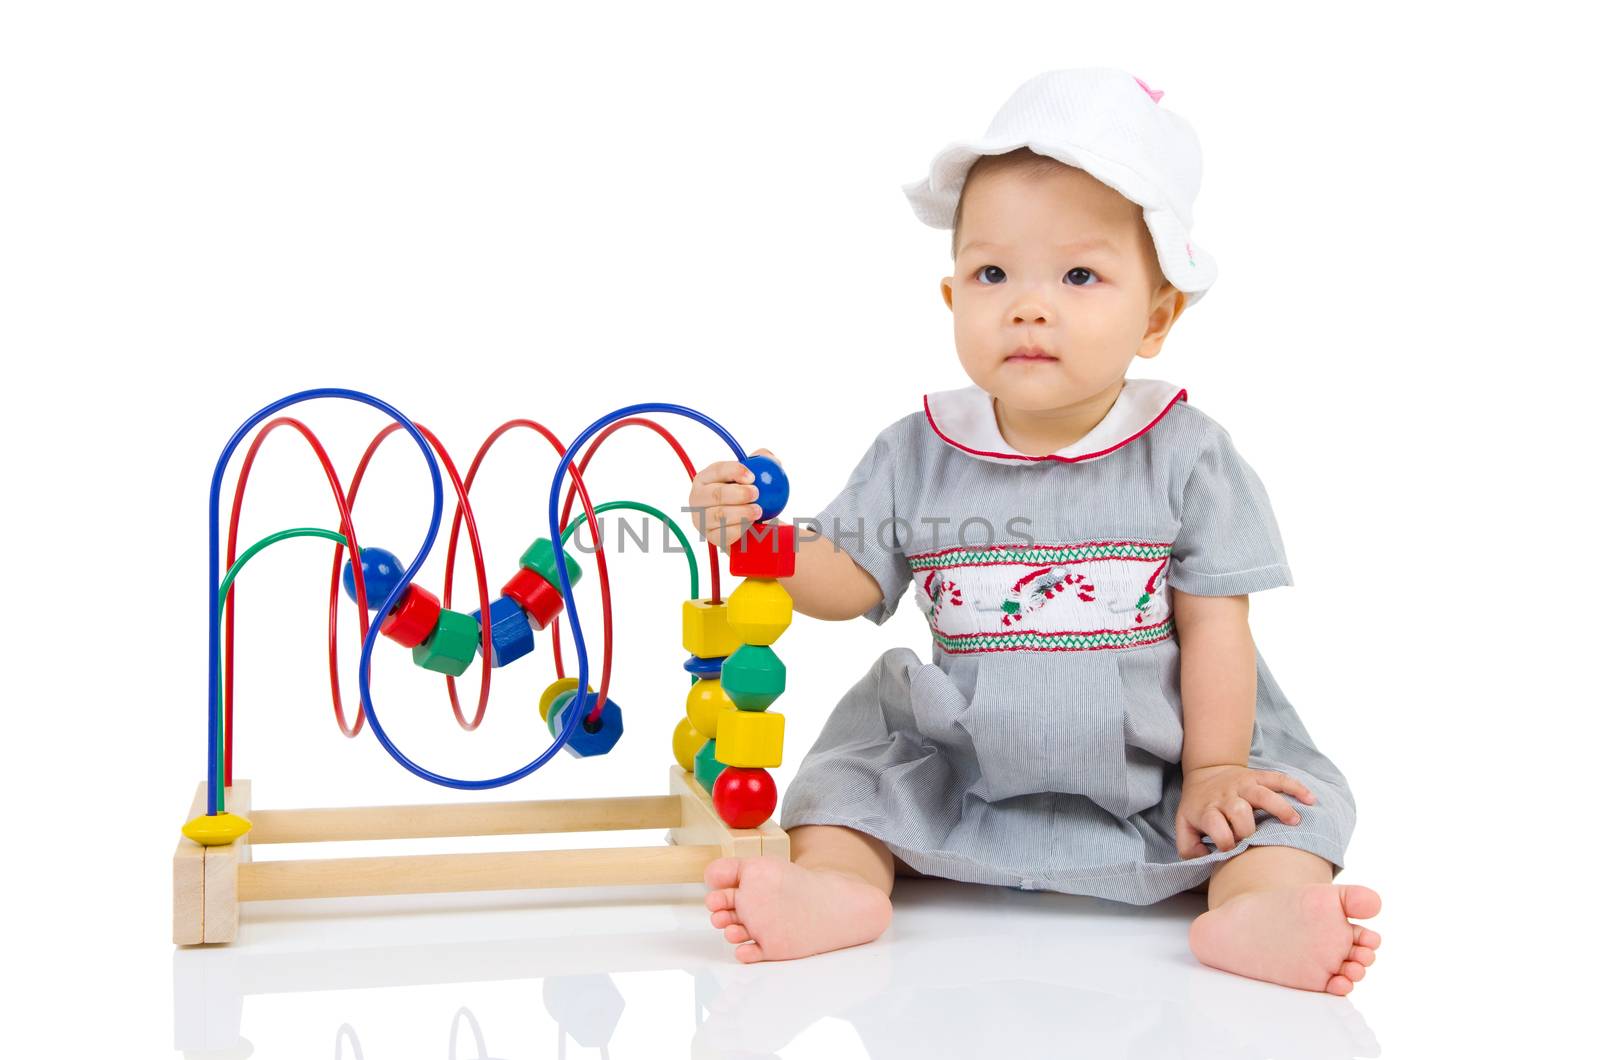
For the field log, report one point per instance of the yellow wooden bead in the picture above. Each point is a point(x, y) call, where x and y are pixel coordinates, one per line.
point(217, 830)
point(707, 700)
point(564, 684)
point(752, 739)
point(759, 610)
point(705, 629)
point(686, 743)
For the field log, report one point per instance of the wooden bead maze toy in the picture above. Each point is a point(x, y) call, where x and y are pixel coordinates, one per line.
point(720, 797)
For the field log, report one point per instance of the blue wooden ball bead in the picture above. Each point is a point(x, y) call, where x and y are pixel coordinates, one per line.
point(380, 569)
point(772, 482)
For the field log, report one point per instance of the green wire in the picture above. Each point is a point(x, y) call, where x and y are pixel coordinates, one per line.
point(222, 598)
point(677, 531)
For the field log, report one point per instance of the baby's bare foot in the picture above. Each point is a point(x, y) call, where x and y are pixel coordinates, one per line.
point(775, 910)
point(1298, 936)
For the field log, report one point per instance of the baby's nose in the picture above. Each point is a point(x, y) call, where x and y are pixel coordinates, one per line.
point(1031, 312)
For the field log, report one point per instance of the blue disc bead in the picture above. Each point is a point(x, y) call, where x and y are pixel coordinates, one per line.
point(704, 667)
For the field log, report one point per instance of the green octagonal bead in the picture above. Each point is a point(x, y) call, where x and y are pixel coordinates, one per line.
point(753, 676)
point(541, 557)
point(452, 645)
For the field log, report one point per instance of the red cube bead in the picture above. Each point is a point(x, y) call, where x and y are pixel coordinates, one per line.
point(766, 550)
point(541, 600)
point(413, 618)
point(744, 798)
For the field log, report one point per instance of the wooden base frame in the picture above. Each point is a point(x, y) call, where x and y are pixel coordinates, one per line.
point(209, 883)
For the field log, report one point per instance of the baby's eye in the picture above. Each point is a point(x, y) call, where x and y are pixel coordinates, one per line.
point(1078, 277)
point(991, 274)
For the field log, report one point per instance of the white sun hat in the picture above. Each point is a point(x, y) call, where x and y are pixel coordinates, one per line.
point(1109, 124)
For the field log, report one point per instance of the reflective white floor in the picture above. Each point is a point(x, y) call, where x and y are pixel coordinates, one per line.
point(964, 971)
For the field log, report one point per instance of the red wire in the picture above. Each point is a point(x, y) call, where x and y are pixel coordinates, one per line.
point(583, 463)
point(600, 562)
point(347, 528)
point(477, 561)
point(688, 466)
point(345, 501)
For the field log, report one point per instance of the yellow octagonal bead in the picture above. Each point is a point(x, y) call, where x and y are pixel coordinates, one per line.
point(705, 629)
point(759, 610)
point(707, 700)
point(752, 739)
point(686, 743)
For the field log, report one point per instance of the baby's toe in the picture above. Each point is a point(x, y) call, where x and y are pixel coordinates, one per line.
point(1359, 902)
point(1362, 955)
point(723, 872)
point(1350, 970)
point(736, 933)
point(1366, 937)
point(749, 953)
point(723, 918)
point(1337, 985)
point(720, 899)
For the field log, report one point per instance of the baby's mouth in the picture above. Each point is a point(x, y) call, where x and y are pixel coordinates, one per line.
point(1029, 355)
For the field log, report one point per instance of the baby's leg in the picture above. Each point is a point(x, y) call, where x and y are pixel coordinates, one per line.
point(835, 893)
point(1275, 914)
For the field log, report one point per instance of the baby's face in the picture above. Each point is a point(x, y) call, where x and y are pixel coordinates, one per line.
point(1062, 265)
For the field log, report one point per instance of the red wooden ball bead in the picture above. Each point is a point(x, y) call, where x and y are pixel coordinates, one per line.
point(413, 618)
point(744, 797)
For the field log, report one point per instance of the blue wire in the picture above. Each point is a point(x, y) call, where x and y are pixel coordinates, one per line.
point(365, 674)
point(212, 794)
point(573, 714)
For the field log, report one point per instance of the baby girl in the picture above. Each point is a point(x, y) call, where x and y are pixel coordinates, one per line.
point(1096, 719)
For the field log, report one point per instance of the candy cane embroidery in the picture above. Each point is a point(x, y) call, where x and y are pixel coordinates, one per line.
point(1145, 601)
point(940, 592)
point(1030, 592)
point(1116, 594)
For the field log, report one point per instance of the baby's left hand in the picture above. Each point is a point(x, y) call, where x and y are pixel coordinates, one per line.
point(1221, 802)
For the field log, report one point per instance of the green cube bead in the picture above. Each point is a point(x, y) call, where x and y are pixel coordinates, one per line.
point(753, 676)
point(541, 557)
point(706, 766)
point(452, 645)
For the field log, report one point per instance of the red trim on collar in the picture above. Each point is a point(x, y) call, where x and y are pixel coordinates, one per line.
point(1181, 395)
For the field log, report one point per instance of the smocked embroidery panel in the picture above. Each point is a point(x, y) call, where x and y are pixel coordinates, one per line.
point(1081, 596)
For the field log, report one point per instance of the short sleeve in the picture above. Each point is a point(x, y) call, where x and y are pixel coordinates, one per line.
point(1227, 542)
point(861, 521)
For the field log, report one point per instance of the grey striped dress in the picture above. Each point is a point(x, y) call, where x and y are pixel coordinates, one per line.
point(1040, 747)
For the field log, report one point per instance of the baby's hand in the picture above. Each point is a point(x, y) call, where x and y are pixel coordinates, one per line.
point(724, 493)
point(1221, 802)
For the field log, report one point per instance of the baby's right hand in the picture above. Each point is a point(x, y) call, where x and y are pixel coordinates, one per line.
point(724, 493)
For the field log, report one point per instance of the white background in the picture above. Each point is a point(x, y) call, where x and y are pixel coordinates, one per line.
point(482, 211)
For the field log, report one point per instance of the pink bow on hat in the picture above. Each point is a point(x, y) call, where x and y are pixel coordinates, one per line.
point(1155, 93)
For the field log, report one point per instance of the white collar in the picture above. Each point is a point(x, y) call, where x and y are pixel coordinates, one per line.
point(965, 419)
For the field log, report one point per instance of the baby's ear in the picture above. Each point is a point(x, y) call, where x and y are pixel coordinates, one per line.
point(948, 290)
point(1164, 314)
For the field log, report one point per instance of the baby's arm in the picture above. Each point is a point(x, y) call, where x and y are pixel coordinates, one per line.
point(826, 583)
point(1217, 685)
point(1217, 678)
